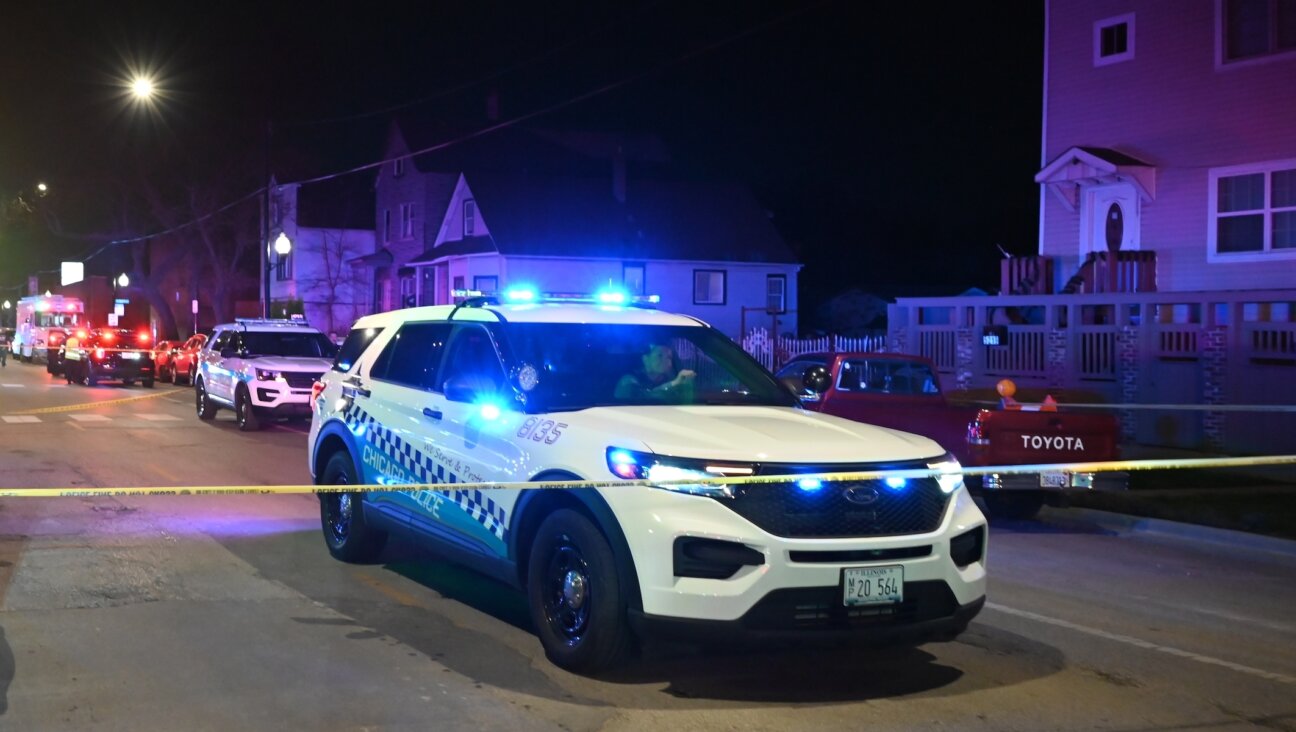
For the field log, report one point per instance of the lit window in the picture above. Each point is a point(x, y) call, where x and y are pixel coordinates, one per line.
point(708, 287)
point(632, 277)
point(470, 218)
point(776, 293)
point(407, 220)
point(1253, 211)
point(1251, 28)
point(1113, 40)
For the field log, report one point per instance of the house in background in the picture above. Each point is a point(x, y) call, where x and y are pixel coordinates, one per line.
point(330, 225)
point(573, 212)
point(1166, 266)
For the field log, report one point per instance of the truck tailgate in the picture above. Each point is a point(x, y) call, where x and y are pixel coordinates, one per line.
point(1049, 437)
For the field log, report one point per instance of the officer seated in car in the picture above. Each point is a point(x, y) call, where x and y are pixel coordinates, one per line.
point(656, 379)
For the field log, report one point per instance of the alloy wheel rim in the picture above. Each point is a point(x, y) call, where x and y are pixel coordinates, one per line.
point(340, 511)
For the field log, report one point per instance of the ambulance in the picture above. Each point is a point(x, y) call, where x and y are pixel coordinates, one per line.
point(41, 318)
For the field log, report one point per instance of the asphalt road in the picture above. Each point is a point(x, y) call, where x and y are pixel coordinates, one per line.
point(225, 613)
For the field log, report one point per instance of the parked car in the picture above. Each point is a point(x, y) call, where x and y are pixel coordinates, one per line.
point(109, 354)
point(162, 359)
point(904, 392)
point(553, 390)
point(262, 369)
point(184, 359)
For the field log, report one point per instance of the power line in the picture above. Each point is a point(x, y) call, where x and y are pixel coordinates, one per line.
point(491, 76)
point(749, 31)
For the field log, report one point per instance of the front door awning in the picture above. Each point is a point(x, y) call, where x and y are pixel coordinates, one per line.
point(1081, 167)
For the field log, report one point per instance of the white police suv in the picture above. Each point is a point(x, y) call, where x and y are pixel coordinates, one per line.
point(262, 369)
point(539, 390)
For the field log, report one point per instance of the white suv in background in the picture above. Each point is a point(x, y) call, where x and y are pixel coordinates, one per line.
point(599, 391)
point(261, 369)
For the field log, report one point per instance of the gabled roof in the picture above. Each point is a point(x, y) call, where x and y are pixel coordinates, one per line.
point(471, 245)
point(561, 216)
point(1085, 166)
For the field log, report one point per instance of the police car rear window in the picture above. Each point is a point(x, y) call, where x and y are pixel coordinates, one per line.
point(355, 344)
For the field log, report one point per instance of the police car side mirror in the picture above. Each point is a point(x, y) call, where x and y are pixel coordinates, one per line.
point(459, 391)
point(816, 379)
point(228, 352)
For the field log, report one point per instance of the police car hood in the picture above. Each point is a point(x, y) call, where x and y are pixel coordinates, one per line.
point(291, 363)
point(756, 434)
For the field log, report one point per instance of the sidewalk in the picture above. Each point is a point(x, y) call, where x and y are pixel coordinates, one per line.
point(1257, 500)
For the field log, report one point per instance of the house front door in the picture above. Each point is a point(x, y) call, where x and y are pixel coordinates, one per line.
point(443, 284)
point(1110, 219)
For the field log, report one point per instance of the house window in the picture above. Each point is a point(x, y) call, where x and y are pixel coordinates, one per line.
point(708, 287)
point(386, 224)
point(776, 293)
point(1113, 40)
point(632, 277)
point(470, 218)
point(283, 267)
point(1253, 28)
point(407, 220)
point(486, 284)
point(398, 167)
point(1253, 212)
point(407, 291)
point(457, 286)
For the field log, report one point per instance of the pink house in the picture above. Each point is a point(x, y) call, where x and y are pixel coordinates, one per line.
point(1166, 265)
point(1170, 128)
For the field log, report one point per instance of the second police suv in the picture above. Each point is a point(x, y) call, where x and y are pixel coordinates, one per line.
point(530, 389)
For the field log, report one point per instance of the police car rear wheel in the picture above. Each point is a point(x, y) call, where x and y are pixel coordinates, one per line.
point(244, 412)
point(1014, 506)
point(577, 603)
point(206, 407)
point(348, 536)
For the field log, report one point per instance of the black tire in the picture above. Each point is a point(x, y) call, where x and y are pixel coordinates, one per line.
point(205, 406)
point(128, 382)
point(244, 412)
point(179, 380)
point(147, 383)
point(577, 601)
point(1014, 506)
point(165, 375)
point(347, 533)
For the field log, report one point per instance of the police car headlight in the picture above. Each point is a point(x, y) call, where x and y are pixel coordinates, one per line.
point(634, 465)
point(267, 375)
point(951, 473)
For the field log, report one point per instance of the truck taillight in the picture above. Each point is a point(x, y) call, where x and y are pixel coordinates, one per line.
point(316, 389)
point(976, 434)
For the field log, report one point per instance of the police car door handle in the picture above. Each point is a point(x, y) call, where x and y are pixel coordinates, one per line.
point(433, 413)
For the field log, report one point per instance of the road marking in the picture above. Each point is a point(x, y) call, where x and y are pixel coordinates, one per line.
point(158, 417)
point(1146, 645)
point(19, 419)
point(12, 386)
point(89, 418)
point(92, 405)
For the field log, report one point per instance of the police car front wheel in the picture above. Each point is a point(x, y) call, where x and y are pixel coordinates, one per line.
point(349, 537)
point(577, 601)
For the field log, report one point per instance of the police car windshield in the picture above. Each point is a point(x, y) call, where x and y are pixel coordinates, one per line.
point(569, 366)
point(288, 343)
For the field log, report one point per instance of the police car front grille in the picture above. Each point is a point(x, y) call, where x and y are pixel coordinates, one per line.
point(784, 509)
point(298, 380)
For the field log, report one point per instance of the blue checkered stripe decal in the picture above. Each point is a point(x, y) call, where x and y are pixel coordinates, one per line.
point(424, 470)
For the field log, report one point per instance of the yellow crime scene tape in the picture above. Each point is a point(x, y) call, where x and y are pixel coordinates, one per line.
point(92, 405)
point(1095, 467)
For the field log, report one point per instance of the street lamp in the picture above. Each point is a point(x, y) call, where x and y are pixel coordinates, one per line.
point(142, 88)
point(123, 280)
point(282, 246)
point(41, 187)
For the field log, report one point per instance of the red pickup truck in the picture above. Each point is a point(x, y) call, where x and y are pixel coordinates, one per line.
point(903, 392)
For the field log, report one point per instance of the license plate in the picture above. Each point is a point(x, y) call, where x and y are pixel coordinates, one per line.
point(1054, 480)
point(131, 355)
point(872, 585)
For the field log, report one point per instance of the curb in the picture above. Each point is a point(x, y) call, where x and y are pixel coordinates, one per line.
point(1124, 523)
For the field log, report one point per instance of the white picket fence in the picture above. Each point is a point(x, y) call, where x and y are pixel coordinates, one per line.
point(773, 352)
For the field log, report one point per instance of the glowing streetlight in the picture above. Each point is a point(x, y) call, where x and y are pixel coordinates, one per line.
point(7, 304)
point(282, 244)
point(123, 280)
point(142, 88)
point(42, 187)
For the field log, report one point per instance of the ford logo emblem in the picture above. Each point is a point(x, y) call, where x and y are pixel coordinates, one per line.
point(861, 494)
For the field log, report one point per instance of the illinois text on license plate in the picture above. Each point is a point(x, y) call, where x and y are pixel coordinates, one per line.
point(872, 585)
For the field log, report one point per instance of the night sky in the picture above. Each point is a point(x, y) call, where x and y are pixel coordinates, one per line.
point(893, 148)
